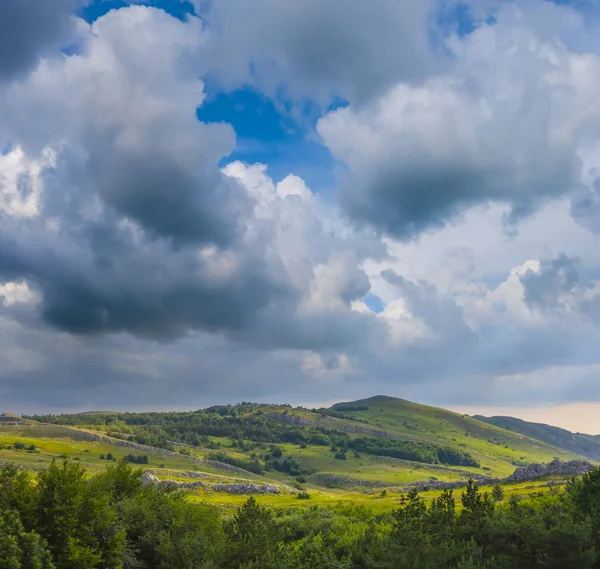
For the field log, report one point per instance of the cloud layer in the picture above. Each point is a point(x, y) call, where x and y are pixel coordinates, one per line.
point(141, 265)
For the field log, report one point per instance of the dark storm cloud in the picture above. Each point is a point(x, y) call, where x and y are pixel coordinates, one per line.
point(158, 292)
point(30, 29)
point(189, 203)
point(404, 204)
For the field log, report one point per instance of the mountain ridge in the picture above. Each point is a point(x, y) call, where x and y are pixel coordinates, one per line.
point(579, 443)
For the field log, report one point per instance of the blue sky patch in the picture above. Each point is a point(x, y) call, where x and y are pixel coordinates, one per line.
point(374, 303)
point(267, 132)
point(177, 8)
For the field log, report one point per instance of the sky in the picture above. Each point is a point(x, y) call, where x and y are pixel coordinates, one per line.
point(306, 202)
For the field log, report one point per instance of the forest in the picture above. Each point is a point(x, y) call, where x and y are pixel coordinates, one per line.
point(61, 518)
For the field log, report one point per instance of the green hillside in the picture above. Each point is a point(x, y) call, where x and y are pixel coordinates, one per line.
point(361, 445)
point(496, 448)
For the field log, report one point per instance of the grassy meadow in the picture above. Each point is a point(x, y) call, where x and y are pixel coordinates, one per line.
point(257, 431)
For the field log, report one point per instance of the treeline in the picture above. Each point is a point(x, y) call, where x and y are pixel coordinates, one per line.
point(61, 519)
point(410, 450)
point(193, 428)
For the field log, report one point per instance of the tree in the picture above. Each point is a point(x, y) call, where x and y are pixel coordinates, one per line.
point(78, 522)
point(497, 493)
point(118, 482)
point(474, 519)
point(16, 492)
point(251, 537)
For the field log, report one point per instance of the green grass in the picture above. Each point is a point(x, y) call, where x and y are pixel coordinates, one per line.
point(52, 444)
point(499, 452)
point(373, 500)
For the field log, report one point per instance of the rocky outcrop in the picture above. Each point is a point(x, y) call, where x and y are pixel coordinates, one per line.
point(425, 485)
point(292, 419)
point(149, 478)
point(6, 419)
point(248, 488)
point(228, 488)
point(334, 481)
point(128, 444)
point(556, 467)
point(522, 474)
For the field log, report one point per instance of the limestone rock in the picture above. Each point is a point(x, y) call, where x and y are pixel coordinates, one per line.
point(149, 478)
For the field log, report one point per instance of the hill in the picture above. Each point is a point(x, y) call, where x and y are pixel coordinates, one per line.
point(585, 445)
point(380, 441)
point(367, 452)
point(496, 448)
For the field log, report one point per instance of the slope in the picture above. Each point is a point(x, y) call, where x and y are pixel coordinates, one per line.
point(585, 445)
point(498, 449)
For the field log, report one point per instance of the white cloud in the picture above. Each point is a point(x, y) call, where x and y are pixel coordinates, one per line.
point(21, 182)
point(16, 292)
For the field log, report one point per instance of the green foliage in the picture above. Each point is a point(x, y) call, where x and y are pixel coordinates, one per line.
point(345, 408)
point(251, 538)
point(195, 428)
point(410, 450)
point(137, 458)
point(79, 524)
point(19, 548)
point(63, 519)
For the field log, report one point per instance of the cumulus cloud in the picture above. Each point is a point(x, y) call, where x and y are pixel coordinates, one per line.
point(117, 214)
point(120, 116)
point(505, 125)
point(129, 179)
